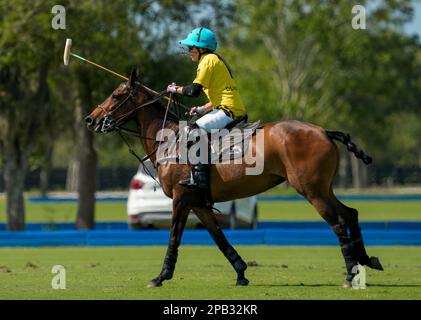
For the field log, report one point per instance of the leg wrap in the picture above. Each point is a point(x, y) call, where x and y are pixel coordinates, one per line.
point(358, 244)
point(346, 248)
point(235, 259)
point(169, 264)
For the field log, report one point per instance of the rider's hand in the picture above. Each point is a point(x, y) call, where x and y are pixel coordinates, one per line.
point(198, 110)
point(172, 88)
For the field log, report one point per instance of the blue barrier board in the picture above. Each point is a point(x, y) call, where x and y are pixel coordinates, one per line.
point(386, 225)
point(278, 236)
point(356, 197)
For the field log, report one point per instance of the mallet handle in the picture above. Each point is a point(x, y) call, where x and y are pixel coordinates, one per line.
point(99, 66)
point(111, 71)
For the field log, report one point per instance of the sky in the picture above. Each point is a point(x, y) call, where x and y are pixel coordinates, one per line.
point(415, 25)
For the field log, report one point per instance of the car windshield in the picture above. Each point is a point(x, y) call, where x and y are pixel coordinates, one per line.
point(150, 169)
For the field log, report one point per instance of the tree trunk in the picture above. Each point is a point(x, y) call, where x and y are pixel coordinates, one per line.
point(87, 160)
point(86, 182)
point(343, 169)
point(43, 181)
point(44, 173)
point(16, 165)
point(72, 174)
point(359, 173)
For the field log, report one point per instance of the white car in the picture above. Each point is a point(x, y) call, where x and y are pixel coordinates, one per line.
point(149, 208)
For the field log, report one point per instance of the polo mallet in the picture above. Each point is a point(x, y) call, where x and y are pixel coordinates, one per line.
point(66, 57)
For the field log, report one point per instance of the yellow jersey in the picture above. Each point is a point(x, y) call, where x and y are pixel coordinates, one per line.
point(218, 85)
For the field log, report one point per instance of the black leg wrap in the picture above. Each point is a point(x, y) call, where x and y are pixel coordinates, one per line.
point(350, 261)
point(168, 268)
point(358, 244)
point(346, 248)
point(360, 252)
point(235, 259)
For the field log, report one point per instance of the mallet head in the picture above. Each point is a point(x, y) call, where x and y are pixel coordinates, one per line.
point(66, 55)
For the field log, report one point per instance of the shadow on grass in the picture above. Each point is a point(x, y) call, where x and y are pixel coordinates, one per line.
point(371, 285)
point(295, 285)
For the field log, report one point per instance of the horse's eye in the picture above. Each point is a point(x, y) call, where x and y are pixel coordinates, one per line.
point(115, 96)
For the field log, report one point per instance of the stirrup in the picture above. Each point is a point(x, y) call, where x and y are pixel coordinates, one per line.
point(188, 183)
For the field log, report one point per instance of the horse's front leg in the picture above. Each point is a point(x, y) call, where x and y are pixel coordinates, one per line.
point(208, 219)
point(179, 218)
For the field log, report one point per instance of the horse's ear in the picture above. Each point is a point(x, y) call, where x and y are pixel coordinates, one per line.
point(133, 77)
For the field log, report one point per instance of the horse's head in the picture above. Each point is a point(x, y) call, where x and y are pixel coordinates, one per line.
point(118, 107)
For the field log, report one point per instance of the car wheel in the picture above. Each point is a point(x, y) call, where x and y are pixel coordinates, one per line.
point(135, 226)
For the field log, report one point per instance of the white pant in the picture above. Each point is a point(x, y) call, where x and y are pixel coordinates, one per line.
point(216, 119)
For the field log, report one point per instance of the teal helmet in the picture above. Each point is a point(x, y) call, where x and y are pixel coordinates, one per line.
point(201, 38)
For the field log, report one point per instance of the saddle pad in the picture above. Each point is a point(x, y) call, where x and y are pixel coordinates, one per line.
point(234, 144)
point(228, 145)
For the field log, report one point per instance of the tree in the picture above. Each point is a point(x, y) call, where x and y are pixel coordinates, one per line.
point(121, 34)
point(40, 98)
point(25, 108)
point(303, 60)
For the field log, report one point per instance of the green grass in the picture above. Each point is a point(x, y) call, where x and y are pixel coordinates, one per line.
point(203, 273)
point(66, 211)
point(368, 210)
point(286, 211)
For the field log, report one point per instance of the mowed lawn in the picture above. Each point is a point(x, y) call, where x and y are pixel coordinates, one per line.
point(368, 210)
point(203, 273)
point(275, 211)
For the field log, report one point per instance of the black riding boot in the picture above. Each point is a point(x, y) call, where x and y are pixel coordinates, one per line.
point(199, 177)
point(199, 180)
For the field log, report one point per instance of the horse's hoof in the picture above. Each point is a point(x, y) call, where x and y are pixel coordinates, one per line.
point(242, 282)
point(347, 284)
point(154, 283)
point(375, 263)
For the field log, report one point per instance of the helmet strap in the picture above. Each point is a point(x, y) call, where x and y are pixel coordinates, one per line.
point(202, 53)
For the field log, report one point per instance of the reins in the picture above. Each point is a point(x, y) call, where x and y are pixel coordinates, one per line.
point(122, 119)
point(141, 160)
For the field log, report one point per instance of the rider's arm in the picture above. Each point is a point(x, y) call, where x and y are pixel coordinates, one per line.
point(192, 90)
point(208, 106)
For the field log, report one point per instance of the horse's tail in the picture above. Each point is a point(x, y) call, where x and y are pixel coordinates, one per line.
point(351, 146)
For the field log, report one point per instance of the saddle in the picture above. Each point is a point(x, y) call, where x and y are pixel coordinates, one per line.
point(229, 143)
point(234, 143)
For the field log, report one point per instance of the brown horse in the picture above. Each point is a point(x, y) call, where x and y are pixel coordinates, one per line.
point(300, 153)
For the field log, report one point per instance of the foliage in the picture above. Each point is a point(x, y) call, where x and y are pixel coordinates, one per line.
point(303, 60)
point(291, 60)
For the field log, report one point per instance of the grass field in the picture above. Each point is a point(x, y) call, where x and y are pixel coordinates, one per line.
point(287, 211)
point(203, 273)
point(368, 210)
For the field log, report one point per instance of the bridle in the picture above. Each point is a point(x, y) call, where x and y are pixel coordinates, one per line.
point(109, 124)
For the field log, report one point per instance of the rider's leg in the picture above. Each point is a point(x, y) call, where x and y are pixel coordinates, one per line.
point(216, 119)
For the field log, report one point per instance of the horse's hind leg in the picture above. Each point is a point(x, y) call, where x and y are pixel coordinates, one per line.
point(326, 208)
point(208, 219)
point(350, 216)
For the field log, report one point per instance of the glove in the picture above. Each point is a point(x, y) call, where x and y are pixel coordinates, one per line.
point(172, 88)
point(198, 110)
